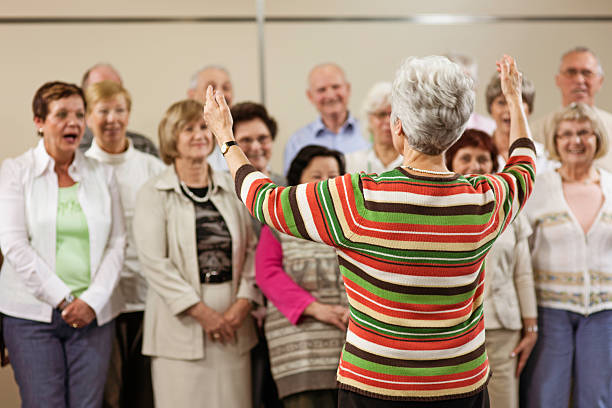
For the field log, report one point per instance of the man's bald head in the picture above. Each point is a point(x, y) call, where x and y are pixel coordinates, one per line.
point(328, 90)
point(214, 75)
point(98, 73)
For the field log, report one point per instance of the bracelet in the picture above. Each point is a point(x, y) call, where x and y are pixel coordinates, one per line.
point(531, 329)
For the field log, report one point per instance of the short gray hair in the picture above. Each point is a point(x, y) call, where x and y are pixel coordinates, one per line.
point(581, 49)
point(433, 98)
point(378, 96)
point(193, 82)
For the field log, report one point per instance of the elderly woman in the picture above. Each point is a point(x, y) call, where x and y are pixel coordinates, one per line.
point(570, 214)
point(196, 245)
point(509, 303)
point(63, 236)
point(382, 156)
point(498, 109)
point(410, 243)
point(307, 312)
point(108, 113)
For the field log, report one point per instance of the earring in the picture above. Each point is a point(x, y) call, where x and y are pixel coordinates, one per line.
point(40, 132)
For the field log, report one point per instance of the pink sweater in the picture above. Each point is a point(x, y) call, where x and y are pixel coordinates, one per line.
point(277, 286)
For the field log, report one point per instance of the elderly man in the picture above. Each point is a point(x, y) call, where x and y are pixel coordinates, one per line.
point(579, 79)
point(329, 92)
point(106, 72)
point(219, 78)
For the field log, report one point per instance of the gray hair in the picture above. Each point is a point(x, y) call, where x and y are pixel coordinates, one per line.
point(581, 49)
point(433, 98)
point(466, 62)
point(378, 96)
point(193, 82)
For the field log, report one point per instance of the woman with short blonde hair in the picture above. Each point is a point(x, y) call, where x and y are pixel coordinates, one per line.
point(196, 247)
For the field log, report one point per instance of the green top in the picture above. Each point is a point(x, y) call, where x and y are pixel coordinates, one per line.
point(72, 242)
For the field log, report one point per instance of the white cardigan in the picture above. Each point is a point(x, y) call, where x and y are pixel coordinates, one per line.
point(572, 270)
point(29, 286)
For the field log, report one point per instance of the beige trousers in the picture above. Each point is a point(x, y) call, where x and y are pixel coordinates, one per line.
point(503, 386)
point(220, 380)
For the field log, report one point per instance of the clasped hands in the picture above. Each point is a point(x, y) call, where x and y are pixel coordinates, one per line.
point(77, 314)
point(221, 327)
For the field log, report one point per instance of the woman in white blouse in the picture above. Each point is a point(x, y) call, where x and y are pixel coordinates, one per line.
point(382, 156)
point(571, 215)
point(63, 236)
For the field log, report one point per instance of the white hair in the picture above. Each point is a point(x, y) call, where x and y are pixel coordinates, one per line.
point(433, 98)
point(193, 82)
point(378, 96)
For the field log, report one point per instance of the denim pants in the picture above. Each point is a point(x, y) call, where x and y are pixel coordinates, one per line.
point(571, 348)
point(56, 365)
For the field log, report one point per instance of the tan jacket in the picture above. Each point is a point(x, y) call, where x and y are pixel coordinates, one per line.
point(164, 230)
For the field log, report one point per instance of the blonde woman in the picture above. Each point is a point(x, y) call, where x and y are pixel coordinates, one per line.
point(196, 247)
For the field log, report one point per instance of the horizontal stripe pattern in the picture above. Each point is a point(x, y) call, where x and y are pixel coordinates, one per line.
point(411, 251)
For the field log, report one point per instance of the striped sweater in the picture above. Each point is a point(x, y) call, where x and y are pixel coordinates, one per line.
point(411, 251)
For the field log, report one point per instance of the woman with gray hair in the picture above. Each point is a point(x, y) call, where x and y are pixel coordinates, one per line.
point(410, 243)
point(382, 156)
point(570, 215)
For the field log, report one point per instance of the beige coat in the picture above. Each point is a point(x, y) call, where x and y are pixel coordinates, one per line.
point(164, 230)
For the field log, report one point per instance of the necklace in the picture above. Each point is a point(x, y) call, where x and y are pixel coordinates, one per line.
point(435, 173)
point(194, 197)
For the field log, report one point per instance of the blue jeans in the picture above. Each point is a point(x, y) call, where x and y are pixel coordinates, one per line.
point(56, 365)
point(570, 347)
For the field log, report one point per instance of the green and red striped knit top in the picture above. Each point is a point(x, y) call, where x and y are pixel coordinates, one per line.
point(411, 251)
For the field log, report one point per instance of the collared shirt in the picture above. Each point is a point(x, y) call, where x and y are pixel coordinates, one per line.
point(132, 169)
point(29, 286)
point(367, 161)
point(347, 140)
point(140, 142)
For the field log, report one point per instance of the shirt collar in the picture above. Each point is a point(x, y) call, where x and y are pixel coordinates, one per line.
point(169, 180)
point(97, 153)
point(319, 126)
point(43, 162)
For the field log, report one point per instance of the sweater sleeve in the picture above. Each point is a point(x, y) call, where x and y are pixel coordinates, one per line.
point(322, 212)
point(279, 288)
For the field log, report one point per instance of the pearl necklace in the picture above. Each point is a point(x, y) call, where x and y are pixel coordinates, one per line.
point(435, 173)
point(193, 196)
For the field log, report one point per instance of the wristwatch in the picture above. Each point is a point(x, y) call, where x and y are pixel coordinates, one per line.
point(225, 146)
point(66, 301)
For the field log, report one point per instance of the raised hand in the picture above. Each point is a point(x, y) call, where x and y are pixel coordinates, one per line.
point(218, 116)
point(511, 79)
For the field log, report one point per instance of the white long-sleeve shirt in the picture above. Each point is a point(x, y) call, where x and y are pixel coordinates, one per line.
point(132, 169)
point(29, 286)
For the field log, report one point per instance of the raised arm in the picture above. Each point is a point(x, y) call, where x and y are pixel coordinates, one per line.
point(511, 84)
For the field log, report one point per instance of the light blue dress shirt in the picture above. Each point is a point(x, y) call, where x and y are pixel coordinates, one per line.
point(347, 140)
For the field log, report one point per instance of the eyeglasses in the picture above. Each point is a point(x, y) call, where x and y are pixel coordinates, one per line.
point(573, 73)
point(582, 134)
point(380, 115)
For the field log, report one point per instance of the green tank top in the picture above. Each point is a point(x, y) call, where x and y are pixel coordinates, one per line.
point(72, 242)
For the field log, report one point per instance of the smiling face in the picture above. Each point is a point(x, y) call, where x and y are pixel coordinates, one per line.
point(108, 120)
point(576, 143)
point(328, 91)
point(194, 141)
point(320, 168)
point(579, 78)
point(255, 140)
point(63, 127)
